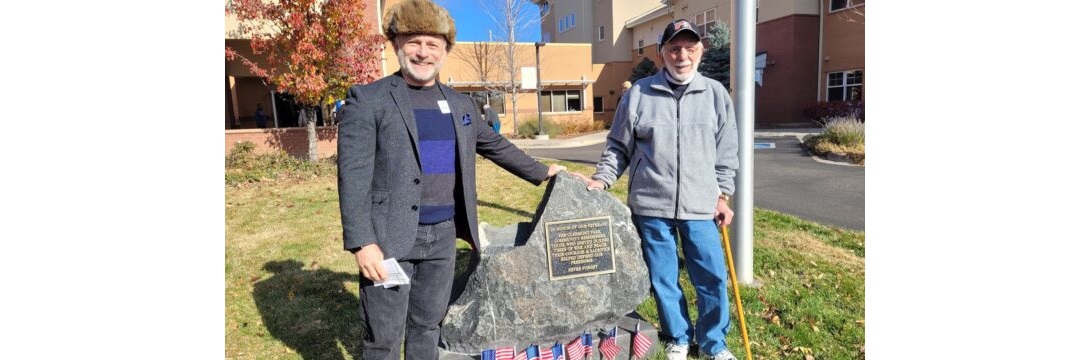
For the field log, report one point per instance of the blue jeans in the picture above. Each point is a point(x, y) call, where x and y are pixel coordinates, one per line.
point(703, 253)
point(421, 305)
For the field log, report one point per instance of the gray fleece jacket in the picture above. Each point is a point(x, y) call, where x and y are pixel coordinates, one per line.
point(683, 153)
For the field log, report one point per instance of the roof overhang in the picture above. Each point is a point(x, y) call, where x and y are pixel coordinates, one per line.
point(657, 12)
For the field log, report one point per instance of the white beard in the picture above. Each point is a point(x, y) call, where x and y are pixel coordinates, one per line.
point(407, 67)
point(679, 79)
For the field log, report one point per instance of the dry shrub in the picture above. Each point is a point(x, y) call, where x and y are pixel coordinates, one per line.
point(842, 135)
point(846, 131)
point(243, 165)
point(581, 127)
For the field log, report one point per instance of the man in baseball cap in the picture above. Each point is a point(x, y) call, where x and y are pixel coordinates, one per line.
point(407, 183)
point(677, 129)
point(677, 65)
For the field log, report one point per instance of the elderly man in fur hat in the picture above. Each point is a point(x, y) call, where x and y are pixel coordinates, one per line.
point(406, 159)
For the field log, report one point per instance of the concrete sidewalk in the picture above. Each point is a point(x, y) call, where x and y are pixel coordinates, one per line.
point(578, 141)
point(600, 138)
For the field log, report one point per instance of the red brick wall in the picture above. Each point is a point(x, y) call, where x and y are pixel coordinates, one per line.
point(790, 85)
point(291, 140)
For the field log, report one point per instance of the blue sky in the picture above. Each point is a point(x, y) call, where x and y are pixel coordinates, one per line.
point(473, 23)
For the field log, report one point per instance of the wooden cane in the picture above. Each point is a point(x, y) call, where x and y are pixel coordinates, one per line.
point(734, 285)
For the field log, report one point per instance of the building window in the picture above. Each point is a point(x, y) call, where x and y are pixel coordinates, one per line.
point(561, 101)
point(598, 109)
point(704, 21)
point(547, 37)
point(835, 5)
point(601, 32)
point(639, 48)
point(566, 23)
point(845, 86)
point(494, 99)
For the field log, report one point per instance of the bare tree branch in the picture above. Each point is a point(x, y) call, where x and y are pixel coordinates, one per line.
point(481, 59)
point(510, 17)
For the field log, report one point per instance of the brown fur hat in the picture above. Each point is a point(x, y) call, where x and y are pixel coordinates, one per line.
point(419, 17)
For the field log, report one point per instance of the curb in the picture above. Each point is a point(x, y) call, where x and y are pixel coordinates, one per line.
point(584, 140)
point(831, 158)
point(539, 144)
point(835, 159)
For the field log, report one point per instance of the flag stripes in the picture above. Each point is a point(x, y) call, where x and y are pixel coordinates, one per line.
point(609, 346)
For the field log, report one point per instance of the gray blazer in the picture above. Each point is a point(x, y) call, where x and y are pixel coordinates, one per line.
point(378, 162)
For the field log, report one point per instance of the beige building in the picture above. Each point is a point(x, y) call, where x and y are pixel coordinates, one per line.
point(812, 50)
point(600, 24)
point(648, 26)
point(842, 51)
point(808, 50)
point(567, 80)
point(567, 71)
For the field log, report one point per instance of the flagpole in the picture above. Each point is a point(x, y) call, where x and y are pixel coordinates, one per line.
point(615, 340)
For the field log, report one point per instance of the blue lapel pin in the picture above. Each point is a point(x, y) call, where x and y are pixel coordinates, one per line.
point(466, 120)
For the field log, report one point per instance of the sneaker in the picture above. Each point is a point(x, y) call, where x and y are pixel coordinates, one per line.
point(723, 355)
point(675, 351)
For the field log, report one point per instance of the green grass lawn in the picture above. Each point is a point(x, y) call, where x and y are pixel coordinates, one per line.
point(291, 291)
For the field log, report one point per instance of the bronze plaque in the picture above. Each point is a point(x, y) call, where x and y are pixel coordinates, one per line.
point(579, 247)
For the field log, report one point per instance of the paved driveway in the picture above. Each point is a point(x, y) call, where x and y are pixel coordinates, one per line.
point(786, 179)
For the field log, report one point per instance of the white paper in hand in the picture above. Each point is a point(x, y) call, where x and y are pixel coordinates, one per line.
point(394, 274)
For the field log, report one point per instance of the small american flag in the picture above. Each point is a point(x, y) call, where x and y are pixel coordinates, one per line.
point(488, 354)
point(609, 346)
point(588, 346)
point(504, 353)
point(546, 353)
point(531, 353)
point(640, 344)
point(558, 352)
point(574, 348)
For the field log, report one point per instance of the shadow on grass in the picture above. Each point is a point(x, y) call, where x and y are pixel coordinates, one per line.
point(504, 208)
point(313, 313)
point(579, 161)
point(310, 311)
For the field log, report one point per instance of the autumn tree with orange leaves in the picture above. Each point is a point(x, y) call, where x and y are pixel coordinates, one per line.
point(315, 49)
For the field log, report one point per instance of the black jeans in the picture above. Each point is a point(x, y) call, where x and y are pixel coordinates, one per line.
point(421, 305)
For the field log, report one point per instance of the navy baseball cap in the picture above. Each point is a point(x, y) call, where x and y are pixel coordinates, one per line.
point(679, 26)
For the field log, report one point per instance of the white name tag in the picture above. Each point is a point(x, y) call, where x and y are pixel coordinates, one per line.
point(444, 107)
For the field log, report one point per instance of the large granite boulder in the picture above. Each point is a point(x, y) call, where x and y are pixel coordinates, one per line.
point(512, 297)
